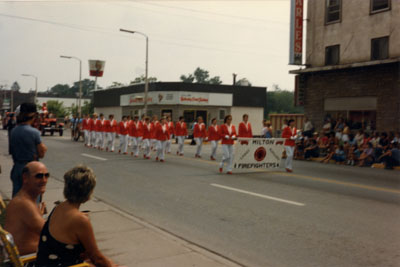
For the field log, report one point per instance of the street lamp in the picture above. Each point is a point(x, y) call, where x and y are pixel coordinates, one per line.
point(146, 86)
point(36, 82)
point(80, 82)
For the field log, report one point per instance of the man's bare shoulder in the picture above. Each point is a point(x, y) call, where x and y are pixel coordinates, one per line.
point(21, 207)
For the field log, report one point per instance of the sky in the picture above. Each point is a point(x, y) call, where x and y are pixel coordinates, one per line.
point(249, 38)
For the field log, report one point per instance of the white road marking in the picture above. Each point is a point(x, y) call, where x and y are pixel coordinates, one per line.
point(259, 195)
point(91, 156)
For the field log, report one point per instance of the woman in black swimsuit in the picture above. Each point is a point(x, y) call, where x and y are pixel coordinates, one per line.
point(67, 238)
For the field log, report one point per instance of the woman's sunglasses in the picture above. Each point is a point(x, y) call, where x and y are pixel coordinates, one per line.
point(41, 175)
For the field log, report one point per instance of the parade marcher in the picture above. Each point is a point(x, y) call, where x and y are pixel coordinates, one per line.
point(109, 128)
point(135, 129)
point(99, 132)
point(199, 134)
point(26, 144)
point(171, 130)
point(85, 128)
point(129, 138)
point(181, 133)
point(228, 135)
point(245, 127)
point(213, 137)
point(146, 138)
point(92, 125)
point(153, 139)
point(162, 135)
point(123, 135)
point(290, 133)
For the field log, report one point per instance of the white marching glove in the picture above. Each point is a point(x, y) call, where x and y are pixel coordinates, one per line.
point(226, 136)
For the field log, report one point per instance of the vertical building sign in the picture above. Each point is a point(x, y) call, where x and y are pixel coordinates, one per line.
point(296, 32)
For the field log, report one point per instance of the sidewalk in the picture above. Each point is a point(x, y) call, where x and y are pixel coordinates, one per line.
point(127, 240)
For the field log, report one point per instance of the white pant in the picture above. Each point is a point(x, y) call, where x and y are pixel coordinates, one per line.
point(168, 146)
point(123, 143)
point(289, 157)
point(103, 140)
point(146, 147)
point(153, 144)
point(99, 139)
point(86, 134)
point(181, 142)
point(161, 149)
point(135, 145)
point(199, 145)
point(93, 138)
point(214, 146)
point(110, 137)
point(227, 156)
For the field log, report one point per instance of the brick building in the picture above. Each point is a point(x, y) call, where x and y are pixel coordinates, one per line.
point(352, 63)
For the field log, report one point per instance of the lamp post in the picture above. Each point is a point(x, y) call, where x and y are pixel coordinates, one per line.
point(80, 83)
point(36, 82)
point(146, 86)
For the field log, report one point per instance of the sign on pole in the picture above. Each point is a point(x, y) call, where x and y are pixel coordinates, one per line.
point(296, 32)
point(96, 68)
point(258, 153)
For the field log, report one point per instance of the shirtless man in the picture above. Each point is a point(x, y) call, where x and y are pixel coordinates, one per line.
point(24, 217)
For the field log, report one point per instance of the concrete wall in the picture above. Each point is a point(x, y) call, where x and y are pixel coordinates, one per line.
point(353, 33)
point(117, 111)
point(256, 115)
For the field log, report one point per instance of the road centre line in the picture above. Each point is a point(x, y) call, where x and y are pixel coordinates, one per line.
point(94, 157)
point(258, 195)
point(317, 179)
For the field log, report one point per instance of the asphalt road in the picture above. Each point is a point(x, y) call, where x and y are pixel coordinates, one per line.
point(320, 215)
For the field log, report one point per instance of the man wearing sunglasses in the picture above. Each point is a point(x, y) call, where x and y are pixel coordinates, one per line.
point(25, 143)
point(24, 216)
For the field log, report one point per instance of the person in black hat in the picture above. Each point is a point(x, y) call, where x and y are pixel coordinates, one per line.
point(25, 143)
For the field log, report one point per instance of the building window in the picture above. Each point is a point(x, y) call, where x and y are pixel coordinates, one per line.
point(333, 11)
point(379, 5)
point(222, 114)
point(380, 48)
point(332, 55)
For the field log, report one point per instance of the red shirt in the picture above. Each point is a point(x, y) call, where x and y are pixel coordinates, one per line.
point(91, 125)
point(181, 129)
point(106, 126)
point(153, 129)
point(85, 124)
point(114, 126)
point(98, 125)
point(213, 133)
point(245, 130)
point(171, 128)
point(288, 133)
point(227, 134)
point(162, 132)
point(146, 130)
point(199, 130)
point(123, 128)
point(139, 129)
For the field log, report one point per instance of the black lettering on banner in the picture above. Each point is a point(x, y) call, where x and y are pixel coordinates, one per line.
point(264, 165)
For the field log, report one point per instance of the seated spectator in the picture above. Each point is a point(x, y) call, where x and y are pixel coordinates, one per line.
point(396, 138)
point(367, 156)
point(299, 148)
point(382, 145)
point(353, 154)
point(340, 155)
point(323, 143)
point(391, 157)
point(312, 150)
point(24, 217)
point(346, 132)
point(359, 138)
point(267, 129)
point(68, 232)
point(326, 129)
point(330, 153)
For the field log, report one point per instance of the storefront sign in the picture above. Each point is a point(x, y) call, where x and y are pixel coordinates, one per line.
point(96, 68)
point(296, 32)
point(258, 153)
point(177, 98)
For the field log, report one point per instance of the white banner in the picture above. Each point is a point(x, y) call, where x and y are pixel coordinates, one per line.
point(258, 153)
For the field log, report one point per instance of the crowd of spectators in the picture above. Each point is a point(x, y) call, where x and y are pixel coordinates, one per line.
point(337, 142)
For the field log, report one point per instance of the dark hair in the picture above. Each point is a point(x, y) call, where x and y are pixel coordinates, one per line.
point(226, 118)
point(181, 117)
point(290, 121)
point(123, 117)
point(111, 116)
point(213, 119)
point(245, 115)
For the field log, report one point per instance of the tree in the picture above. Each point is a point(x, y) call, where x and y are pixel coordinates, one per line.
point(200, 76)
point(60, 89)
point(243, 82)
point(281, 101)
point(15, 86)
point(57, 108)
point(142, 79)
point(87, 108)
point(87, 87)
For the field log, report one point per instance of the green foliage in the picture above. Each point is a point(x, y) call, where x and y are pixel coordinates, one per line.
point(200, 76)
point(142, 79)
point(57, 108)
point(64, 90)
point(87, 108)
point(281, 101)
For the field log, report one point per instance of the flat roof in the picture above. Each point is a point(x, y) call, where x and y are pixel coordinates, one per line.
point(245, 96)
